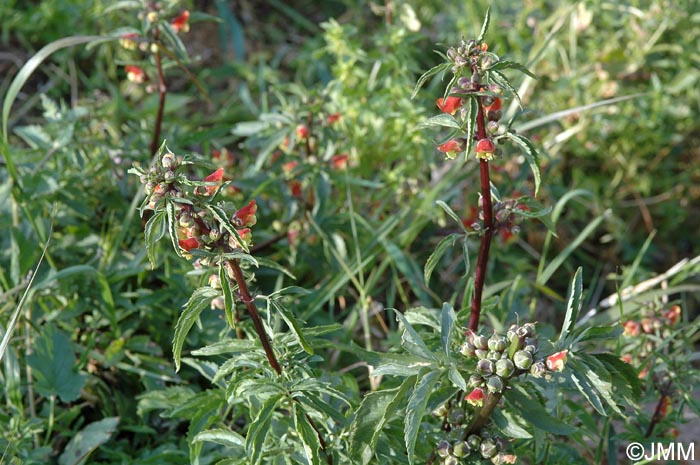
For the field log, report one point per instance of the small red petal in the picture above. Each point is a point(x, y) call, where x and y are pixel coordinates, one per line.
point(188, 244)
point(216, 176)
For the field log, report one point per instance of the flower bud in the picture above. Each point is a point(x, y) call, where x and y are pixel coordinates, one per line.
point(485, 367)
point(475, 381)
point(441, 410)
point(494, 384)
point(169, 176)
point(467, 349)
point(492, 127)
point(168, 161)
point(538, 369)
point(481, 342)
point(214, 234)
point(481, 354)
point(555, 362)
point(488, 449)
point(494, 115)
point(529, 329)
point(474, 441)
point(505, 368)
point(493, 355)
point(522, 359)
point(214, 281)
point(150, 187)
point(530, 348)
point(456, 416)
point(460, 449)
point(451, 461)
point(443, 448)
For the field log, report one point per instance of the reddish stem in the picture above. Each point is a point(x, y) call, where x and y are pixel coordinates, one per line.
point(487, 207)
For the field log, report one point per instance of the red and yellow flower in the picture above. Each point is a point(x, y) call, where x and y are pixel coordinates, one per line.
point(182, 22)
point(449, 105)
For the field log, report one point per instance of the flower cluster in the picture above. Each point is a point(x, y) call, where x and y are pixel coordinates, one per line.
point(199, 223)
point(484, 446)
point(645, 333)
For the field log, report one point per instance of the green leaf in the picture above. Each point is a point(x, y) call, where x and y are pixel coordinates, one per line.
point(274, 265)
point(500, 79)
point(259, 428)
point(412, 342)
point(512, 65)
point(471, 115)
point(443, 120)
point(626, 374)
point(172, 226)
point(374, 412)
point(485, 25)
point(533, 412)
point(416, 408)
point(87, 440)
point(447, 321)
point(457, 378)
point(294, 325)
point(53, 362)
point(573, 305)
point(229, 301)
point(578, 376)
point(509, 426)
point(199, 300)
point(600, 379)
point(451, 213)
point(431, 72)
point(538, 211)
point(224, 437)
point(154, 231)
point(442, 247)
point(308, 436)
point(531, 156)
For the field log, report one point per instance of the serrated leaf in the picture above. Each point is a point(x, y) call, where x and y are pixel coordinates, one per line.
point(416, 408)
point(431, 72)
point(259, 428)
point(537, 211)
point(442, 247)
point(308, 436)
point(223, 437)
point(573, 305)
point(585, 387)
point(447, 321)
point(199, 300)
point(87, 440)
point(374, 412)
point(229, 302)
point(485, 25)
point(443, 120)
point(512, 65)
point(500, 79)
point(274, 265)
point(412, 341)
point(531, 156)
point(294, 325)
point(172, 226)
point(54, 365)
point(451, 213)
point(471, 116)
point(600, 379)
point(625, 370)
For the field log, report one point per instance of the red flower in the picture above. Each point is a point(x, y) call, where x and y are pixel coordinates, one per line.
point(216, 176)
point(181, 23)
point(485, 149)
point(302, 132)
point(339, 162)
point(449, 105)
point(476, 397)
point(626, 358)
point(333, 118)
point(673, 314)
point(555, 362)
point(246, 215)
point(631, 328)
point(135, 74)
point(189, 243)
point(452, 147)
point(495, 106)
point(295, 188)
point(289, 166)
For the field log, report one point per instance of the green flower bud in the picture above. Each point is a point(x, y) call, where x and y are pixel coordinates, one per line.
point(538, 369)
point(531, 349)
point(485, 367)
point(169, 176)
point(214, 234)
point(168, 161)
point(150, 186)
point(522, 359)
point(467, 349)
point(451, 461)
point(529, 329)
point(488, 449)
point(460, 449)
point(456, 416)
point(481, 342)
point(443, 448)
point(441, 410)
point(481, 354)
point(475, 381)
point(474, 441)
point(505, 368)
point(493, 355)
point(494, 384)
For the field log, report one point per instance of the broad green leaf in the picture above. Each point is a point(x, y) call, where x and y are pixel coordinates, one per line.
point(415, 409)
point(294, 325)
point(442, 247)
point(199, 300)
point(87, 440)
point(531, 156)
point(309, 438)
point(258, 430)
point(573, 305)
point(224, 437)
point(374, 412)
point(447, 321)
point(412, 341)
point(443, 120)
point(485, 25)
point(53, 362)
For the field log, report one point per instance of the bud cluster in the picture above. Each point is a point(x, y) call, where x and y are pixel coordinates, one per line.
point(198, 225)
point(469, 54)
point(455, 447)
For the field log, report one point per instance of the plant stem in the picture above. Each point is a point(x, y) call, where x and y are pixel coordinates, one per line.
point(656, 416)
point(482, 415)
point(162, 91)
point(485, 246)
point(254, 315)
